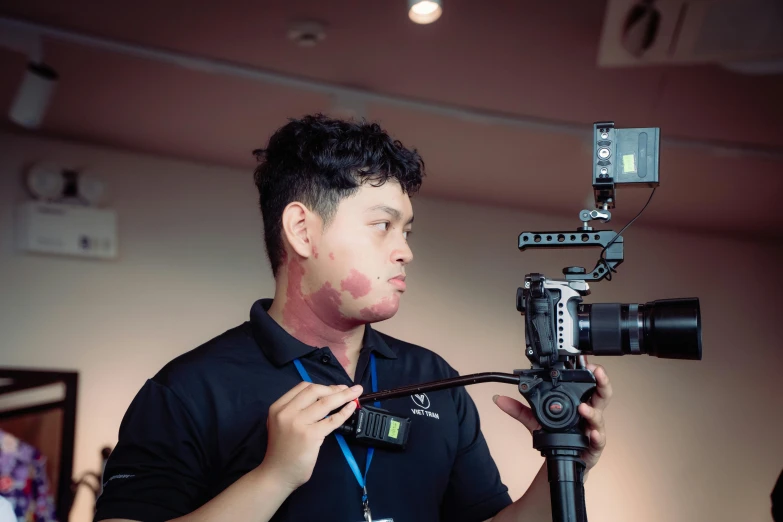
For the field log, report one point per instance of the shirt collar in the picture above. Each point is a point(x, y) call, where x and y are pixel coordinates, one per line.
point(280, 347)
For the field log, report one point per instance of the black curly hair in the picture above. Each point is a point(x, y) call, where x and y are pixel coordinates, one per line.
point(318, 161)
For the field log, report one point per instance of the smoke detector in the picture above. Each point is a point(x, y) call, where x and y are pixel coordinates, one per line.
point(306, 33)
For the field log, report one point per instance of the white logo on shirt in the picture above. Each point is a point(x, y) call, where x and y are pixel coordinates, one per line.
point(423, 402)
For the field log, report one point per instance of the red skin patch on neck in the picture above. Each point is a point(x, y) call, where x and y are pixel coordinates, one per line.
point(357, 284)
point(315, 252)
point(328, 300)
point(328, 328)
point(331, 256)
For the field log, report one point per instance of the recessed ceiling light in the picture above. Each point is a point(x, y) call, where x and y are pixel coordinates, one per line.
point(424, 11)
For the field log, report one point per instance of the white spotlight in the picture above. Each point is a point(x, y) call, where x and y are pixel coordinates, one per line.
point(424, 11)
point(34, 94)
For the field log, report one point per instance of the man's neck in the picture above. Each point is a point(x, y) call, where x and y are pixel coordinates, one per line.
point(297, 317)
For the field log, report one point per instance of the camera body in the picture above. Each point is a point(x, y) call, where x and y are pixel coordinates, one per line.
point(551, 318)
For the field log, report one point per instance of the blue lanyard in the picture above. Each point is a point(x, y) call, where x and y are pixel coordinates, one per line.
point(341, 440)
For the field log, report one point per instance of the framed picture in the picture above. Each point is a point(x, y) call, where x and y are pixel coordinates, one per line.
point(37, 429)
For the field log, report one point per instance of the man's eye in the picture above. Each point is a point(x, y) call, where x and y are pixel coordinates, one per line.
point(407, 233)
point(383, 226)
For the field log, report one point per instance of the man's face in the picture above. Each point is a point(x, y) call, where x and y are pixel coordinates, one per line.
point(350, 278)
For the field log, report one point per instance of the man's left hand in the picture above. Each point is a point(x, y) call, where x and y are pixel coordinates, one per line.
point(592, 412)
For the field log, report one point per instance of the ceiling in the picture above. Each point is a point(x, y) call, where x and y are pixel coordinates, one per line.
point(498, 96)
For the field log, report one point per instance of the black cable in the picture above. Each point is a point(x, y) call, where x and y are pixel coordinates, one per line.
point(601, 258)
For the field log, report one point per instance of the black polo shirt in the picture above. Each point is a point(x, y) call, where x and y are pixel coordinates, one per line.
point(200, 424)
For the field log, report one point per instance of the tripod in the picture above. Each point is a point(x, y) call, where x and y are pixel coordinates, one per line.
point(554, 395)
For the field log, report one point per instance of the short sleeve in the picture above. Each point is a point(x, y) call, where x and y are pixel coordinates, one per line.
point(158, 469)
point(475, 491)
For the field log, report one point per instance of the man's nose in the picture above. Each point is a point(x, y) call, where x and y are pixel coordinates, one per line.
point(403, 254)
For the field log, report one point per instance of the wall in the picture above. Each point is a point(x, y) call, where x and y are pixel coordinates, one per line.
point(688, 441)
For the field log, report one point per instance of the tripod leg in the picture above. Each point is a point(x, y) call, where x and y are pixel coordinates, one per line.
point(566, 485)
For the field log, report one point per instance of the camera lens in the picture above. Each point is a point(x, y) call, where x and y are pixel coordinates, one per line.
point(666, 328)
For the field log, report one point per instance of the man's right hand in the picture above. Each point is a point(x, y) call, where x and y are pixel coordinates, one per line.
point(297, 428)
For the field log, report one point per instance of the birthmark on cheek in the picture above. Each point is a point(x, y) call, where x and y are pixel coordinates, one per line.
point(357, 284)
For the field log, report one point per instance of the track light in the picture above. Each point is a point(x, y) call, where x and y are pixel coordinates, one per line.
point(34, 94)
point(424, 11)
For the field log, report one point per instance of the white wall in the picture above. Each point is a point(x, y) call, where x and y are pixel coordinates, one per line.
point(688, 441)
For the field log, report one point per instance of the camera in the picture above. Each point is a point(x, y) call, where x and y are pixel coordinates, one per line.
point(559, 325)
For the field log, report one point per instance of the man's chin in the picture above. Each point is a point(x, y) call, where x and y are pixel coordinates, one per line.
point(382, 310)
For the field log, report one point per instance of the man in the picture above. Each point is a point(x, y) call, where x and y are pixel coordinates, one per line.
point(235, 430)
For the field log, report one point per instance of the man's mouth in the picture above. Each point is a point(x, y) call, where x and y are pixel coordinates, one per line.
point(398, 282)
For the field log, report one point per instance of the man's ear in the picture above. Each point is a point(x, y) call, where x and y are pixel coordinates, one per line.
point(298, 228)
